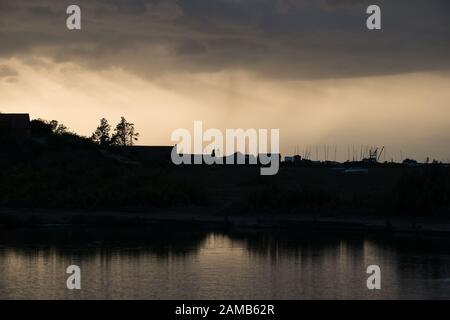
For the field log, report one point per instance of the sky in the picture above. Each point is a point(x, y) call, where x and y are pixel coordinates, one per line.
point(310, 68)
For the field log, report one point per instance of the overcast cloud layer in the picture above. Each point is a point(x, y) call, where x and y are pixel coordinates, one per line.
point(294, 39)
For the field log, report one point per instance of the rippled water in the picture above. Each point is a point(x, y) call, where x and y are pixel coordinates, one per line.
point(157, 263)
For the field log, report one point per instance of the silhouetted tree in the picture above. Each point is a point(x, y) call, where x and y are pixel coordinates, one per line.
point(124, 133)
point(39, 128)
point(102, 133)
point(58, 128)
point(132, 135)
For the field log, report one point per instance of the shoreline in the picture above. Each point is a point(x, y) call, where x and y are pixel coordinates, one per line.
point(351, 223)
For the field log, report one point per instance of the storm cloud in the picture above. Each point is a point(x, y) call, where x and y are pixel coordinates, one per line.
point(310, 68)
point(290, 39)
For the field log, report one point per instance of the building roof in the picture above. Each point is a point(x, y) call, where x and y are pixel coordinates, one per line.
point(14, 127)
point(15, 120)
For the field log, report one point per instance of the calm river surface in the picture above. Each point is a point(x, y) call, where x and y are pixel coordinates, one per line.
point(158, 263)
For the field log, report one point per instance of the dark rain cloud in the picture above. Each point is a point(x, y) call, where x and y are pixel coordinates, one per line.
point(295, 39)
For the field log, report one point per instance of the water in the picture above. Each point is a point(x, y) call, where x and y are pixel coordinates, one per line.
point(159, 263)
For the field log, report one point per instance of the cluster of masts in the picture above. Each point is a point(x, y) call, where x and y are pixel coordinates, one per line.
point(354, 153)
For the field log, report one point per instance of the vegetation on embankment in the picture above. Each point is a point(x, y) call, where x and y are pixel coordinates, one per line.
point(60, 170)
point(65, 171)
point(382, 191)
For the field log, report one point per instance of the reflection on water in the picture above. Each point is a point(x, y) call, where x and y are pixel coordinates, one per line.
point(157, 263)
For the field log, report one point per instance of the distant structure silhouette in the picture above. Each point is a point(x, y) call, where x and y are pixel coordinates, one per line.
point(14, 127)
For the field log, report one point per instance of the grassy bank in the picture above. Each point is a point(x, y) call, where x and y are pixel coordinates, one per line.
point(67, 172)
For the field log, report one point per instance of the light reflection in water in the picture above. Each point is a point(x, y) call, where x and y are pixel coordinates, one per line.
point(194, 264)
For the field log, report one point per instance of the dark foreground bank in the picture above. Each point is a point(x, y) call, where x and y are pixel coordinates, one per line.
point(397, 226)
point(61, 178)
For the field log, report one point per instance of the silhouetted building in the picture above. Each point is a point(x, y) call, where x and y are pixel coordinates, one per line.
point(289, 159)
point(410, 163)
point(14, 127)
point(151, 153)
point(293, 159)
